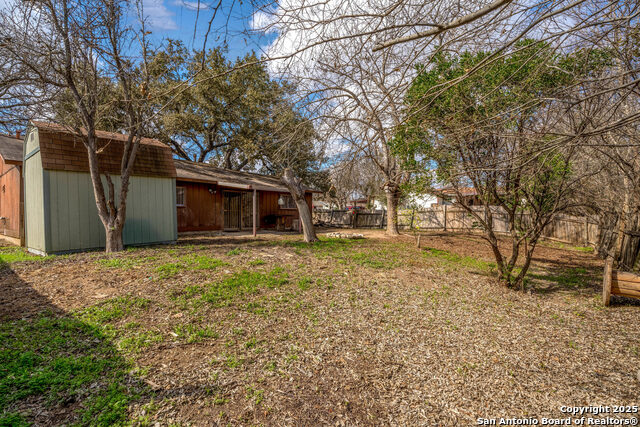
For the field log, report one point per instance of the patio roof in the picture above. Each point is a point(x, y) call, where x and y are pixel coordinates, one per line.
point(206, 173)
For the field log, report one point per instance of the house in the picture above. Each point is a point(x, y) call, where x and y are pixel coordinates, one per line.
point(420, 201)
point(210, 198)
point(60, 213)
point(11, 194)
point(448, 196)
point(365, 203)
point(358, 203)
point(321, 205)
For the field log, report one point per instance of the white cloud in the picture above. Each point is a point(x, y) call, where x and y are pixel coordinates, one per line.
point(192, 5)
point(159, 17)
point(262, 21)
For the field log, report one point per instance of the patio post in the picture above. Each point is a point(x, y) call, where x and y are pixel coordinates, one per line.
point(255, 212)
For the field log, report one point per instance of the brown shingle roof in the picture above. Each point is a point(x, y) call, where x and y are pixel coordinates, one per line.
point(465, 191)
point(61, 149)
point(11, 149)
point(113, 136)
point(204, 172)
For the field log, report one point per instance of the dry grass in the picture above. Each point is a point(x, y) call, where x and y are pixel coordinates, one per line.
point(224, 330)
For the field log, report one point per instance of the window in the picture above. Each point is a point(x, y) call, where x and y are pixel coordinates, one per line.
point(180, 196)
point(285, 201)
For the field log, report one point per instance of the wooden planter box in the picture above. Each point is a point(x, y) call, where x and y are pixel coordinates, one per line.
point(619, 283)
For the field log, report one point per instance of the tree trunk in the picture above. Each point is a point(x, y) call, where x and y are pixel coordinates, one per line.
point(519, 279)
point(392, 192)
point(114, 242)
point(622, 226)
point(112, 216)
point(307, 221)
point(294, 185)
point(107, 211)
point(497, 255)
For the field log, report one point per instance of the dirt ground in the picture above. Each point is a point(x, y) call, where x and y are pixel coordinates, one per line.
point(232, 330)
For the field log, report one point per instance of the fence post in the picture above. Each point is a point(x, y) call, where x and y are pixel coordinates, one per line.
point(445, 217)
point(382, 217)
point(331, 218)
point(586, 231)
point(606, 281)
point(354, 218)
point(413, 214)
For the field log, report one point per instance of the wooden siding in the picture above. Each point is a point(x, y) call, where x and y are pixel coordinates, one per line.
point(73, 222)
point(204, 211)
point(10, 200)
point(269, 206)
point(61, 213)
point(34, 196)
point(31, 141)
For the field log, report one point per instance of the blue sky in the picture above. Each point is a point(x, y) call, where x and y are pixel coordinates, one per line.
point(176, 19)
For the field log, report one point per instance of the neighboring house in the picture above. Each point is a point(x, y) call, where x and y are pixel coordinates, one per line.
point(11, 194)
point(364, 203)
point(358, 203)
point(420, 201)
point(321, 204)
point(210, 198)
point(449, 196)
point(60, 209)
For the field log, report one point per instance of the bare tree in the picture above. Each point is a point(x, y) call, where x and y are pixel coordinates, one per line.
point(362, 107)
point(355, 95)
point(609, 101)
point(71, 48)
point(354, 177)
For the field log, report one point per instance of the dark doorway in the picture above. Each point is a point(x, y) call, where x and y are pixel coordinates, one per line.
point(247, 210)
point(232, 210)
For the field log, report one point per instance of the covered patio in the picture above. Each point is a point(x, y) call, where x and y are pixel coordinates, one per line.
point(215, 199)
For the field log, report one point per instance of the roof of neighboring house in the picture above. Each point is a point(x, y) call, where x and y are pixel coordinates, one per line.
point(11, 149)
point(204, 172)
point(63, 149)
point(464, 191)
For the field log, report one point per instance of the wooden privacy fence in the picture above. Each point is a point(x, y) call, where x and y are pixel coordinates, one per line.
point(564, 228)
point(629, 256)
point(345, 218)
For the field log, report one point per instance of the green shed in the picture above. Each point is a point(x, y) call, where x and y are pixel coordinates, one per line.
point(59, 203)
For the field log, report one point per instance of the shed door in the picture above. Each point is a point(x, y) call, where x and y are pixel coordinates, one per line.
point(232, 210)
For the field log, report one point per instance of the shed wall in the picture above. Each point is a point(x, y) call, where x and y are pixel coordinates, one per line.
point(73, 221)
point(34, 222)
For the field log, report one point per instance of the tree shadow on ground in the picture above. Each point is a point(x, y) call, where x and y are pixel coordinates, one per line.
point(563, 277)
point(566, 277)
point(568, 262)
point(216, 241)
point(56, 369)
